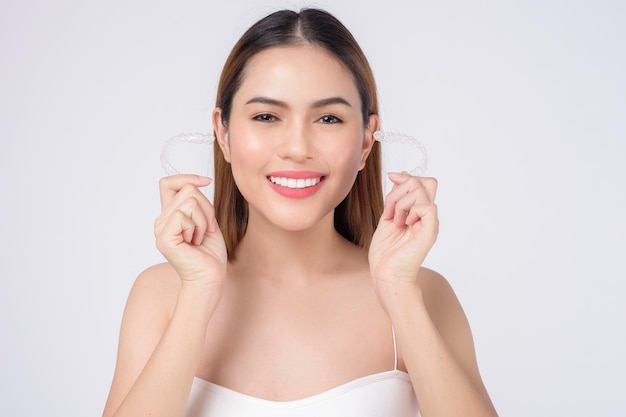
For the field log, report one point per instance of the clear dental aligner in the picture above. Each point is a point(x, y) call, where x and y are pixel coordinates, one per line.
point(408, 146)
point(195, 138)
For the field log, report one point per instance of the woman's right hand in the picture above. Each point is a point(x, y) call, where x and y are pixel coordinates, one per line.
point(187, 233)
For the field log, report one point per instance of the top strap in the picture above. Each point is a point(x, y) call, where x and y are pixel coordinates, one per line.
point(395, 350)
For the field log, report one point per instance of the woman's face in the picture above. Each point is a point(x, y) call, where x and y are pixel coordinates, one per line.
point(296, 138)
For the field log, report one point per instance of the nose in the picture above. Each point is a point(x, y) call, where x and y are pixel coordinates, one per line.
point(296, 143)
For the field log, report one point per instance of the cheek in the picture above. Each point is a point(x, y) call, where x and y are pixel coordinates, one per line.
point(350, 162)
point(248, 155)
point(245, 147)
point(346, 154)
point(241, 161)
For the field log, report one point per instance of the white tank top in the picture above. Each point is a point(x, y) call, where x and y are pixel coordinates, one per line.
point(385, 394)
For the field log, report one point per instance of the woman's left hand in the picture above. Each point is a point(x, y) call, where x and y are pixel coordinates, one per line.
point(406, 231)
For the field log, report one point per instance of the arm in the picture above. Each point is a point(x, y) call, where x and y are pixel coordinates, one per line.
point(158, 355)
point(166, 317)
point(432, 332)
point(436, 345)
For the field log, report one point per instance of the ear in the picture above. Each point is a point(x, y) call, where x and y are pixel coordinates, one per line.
point(221, 133)
point(368, 138)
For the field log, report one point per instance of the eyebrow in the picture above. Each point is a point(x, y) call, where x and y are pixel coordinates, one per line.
point(316, 104)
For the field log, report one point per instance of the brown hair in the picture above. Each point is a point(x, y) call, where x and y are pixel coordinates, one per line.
point(357, 215)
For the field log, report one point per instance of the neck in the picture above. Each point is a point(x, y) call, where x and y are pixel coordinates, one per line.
point(267, 250)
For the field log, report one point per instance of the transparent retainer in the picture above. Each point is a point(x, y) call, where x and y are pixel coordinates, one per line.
point(193, 153)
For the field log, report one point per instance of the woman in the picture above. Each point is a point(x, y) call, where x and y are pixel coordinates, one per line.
point(300, 292)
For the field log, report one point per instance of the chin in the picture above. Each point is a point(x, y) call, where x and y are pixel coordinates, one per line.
point(297, 223)
point(292, 221)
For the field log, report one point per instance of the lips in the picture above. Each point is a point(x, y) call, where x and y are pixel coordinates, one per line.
point(296, 184)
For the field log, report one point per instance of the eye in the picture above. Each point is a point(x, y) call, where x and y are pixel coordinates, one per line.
point(265, 117)
point(330, 119)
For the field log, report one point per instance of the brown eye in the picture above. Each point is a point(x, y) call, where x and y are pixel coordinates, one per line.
point(265, 117)
point(330, 119)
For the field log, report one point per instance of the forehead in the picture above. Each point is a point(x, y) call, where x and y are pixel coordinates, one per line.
point(299, 71)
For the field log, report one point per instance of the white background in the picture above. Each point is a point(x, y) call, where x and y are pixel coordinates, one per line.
point(521, 105)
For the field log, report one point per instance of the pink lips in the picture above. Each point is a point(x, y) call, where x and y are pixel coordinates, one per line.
point(296, 184)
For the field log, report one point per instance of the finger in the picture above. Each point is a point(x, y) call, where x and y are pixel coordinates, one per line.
point(176, 229)
point(191, 191)
point(404, 179)
point(398, 178)
point(187, 231)
point(417, 203)
point(196, 222)
point(192, 209)
point(425, 213)
point(407, 191)
point(170, 186)
point(430, 185)
point(402, 208)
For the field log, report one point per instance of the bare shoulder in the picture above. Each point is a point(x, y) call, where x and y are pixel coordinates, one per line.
point(158, 284)
point(439, 296)
point(450, 320)
point(443, 305)
point(149, 306)
point(146, 316)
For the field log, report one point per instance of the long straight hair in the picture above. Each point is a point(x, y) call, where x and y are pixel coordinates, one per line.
point(357, 215)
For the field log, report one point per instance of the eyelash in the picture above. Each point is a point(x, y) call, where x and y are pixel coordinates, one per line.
point(268, 118)
point(333, 119)
point(265, 117)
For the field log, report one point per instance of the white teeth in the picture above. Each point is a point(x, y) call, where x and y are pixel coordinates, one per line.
point(295, 183)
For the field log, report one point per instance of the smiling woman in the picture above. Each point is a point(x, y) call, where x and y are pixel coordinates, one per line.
point(357, 217)
point(318, 134)
point(300, 292)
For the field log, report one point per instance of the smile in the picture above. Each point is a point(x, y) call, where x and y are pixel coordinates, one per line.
point(295, 183)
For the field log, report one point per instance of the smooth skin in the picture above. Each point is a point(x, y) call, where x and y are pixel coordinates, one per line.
point(300, 310)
